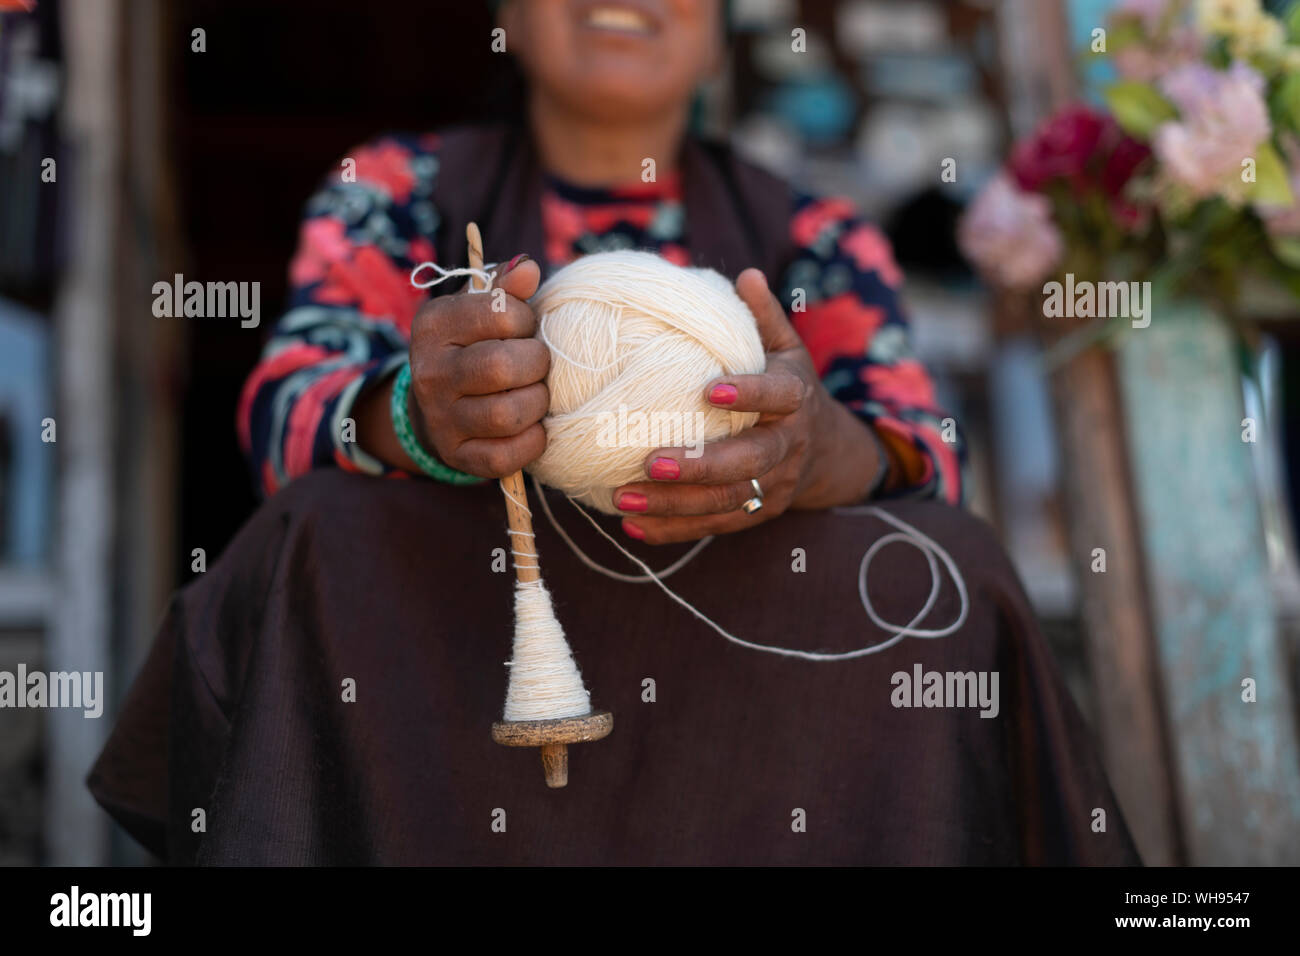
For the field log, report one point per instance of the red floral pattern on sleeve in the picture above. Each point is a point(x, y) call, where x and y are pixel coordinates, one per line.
point(350, 312)
point(842, 294)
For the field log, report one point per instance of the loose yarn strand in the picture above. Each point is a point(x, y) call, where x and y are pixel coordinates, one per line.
point(541, 334)
point(629, 578)
point(906, 533)
point(483, 275)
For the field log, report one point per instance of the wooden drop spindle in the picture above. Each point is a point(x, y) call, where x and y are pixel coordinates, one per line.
point(552, 736)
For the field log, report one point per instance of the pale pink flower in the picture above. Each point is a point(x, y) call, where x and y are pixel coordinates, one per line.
point(1150, 11)
point(1223, 118)
point(1146, 63)
point(1010, 235)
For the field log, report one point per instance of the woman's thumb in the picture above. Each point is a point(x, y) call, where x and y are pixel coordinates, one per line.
point(774, 326)
point(519, 277)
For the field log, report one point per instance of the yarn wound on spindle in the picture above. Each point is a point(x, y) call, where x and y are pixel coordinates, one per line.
point(634, 340)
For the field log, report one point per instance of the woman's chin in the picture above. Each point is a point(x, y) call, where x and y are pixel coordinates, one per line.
point(622, 99)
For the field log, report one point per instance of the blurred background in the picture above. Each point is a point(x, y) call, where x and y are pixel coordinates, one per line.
point(170, 160)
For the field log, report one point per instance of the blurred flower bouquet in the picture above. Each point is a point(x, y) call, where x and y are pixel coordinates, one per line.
point(1189, 180)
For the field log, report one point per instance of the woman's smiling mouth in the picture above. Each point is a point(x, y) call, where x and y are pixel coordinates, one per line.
point(617, 18)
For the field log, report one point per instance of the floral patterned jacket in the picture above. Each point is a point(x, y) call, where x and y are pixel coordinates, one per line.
point(348, 322)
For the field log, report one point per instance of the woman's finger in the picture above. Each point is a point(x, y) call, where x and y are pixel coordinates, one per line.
point(670, 500)
point(503, 414)
point(671, 530)
point(492, 366)
point(498, 457)
point(753, 452)
point(771, 393)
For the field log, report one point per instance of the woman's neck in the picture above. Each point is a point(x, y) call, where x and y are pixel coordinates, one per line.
point(588, 153)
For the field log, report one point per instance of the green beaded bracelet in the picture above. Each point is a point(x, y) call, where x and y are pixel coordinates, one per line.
point(411, 445)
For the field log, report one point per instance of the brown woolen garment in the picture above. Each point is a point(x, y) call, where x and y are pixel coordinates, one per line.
point(239, 709)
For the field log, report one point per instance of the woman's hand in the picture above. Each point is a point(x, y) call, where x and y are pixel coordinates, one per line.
point(806, 450)
point(478, 390)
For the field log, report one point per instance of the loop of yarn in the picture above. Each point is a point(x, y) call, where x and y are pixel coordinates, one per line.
point(444, 274)
point(634, 340)
point(906, 534)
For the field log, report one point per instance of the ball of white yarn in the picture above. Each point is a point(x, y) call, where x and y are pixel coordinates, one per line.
point(634, 340)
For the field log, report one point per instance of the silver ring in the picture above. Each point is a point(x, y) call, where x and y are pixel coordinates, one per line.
point(755, 503)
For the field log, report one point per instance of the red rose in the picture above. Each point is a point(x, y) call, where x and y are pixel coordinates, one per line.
point(1060, 149)
point(1122, 162)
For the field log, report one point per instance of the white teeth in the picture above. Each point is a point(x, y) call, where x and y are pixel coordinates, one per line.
point(617, 18)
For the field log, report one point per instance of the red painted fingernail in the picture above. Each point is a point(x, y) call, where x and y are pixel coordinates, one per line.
point(632, 501)
point(632, 530)
point(665, 469)
point(723, 394)
point(514, 262)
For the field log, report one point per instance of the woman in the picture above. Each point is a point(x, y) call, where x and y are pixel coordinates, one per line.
point(330, 681)
point(603, 102)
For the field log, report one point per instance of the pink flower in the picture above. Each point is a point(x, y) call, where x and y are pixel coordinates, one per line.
point(305, 418)
point(388, 165)
point(1148, 11)
point(321, 241)
point(563, 223)
point(277, 366)
point(904, 384)
point(1147, 63)
point(600, 219)
point(1223, 118)
point(871, 252)
point(947, 457)
point(842, 325)
point(1010, 235)
point(1060, 149)
point(420, 250)
point(371, 281)
point(809, 223)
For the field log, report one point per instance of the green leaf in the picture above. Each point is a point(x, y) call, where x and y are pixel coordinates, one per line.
point(1123, 32)
point(1272, 186)
point(1287, 250)
point(1138, 107)
point(1293, 23)
point(1286, 99)
point(1217, 53)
